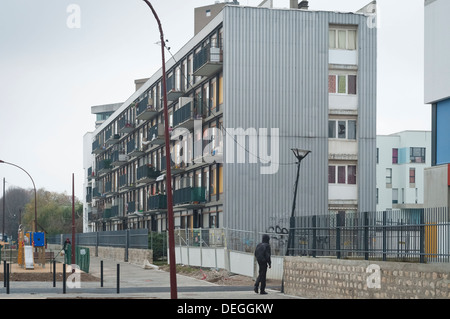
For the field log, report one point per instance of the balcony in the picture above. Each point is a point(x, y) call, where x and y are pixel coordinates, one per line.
point(125, 184)
point(104, 166)
point(147, 174)
point(145, 109)
point(214, 155)
point(131, 207)
point(190, 111)
point(113, 139)
point(190, 197)
point(173, 93)
point(97, 147)
point(118, 158)
point(156, 135)
point(96, 193)
point(133, 150)
point(174, 168)
point(157, 202)
point(125, 126)
point(208, 61)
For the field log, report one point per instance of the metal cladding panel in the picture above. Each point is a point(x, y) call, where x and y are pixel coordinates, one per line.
point(276, 77)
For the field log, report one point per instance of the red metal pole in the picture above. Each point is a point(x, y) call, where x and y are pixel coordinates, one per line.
point(173, 278)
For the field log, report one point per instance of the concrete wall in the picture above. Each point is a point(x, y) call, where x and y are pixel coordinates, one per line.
point(333, 278)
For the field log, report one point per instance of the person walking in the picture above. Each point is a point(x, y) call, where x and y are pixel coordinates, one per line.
point(262, 254)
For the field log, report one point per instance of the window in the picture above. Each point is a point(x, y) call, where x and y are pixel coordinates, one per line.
point(388, 176)
point(412, 175)
point(331, 174)
point(417, 155)
point(342, 129)
point(342, 84)
point(395, 156)
point(395, 196)
point(378, 155)
point(342, 39)
point(346, 174)
point(351, 175)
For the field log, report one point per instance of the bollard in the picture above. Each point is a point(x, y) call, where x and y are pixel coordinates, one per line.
point(4, 273)
point(54, 273)
point(64, 278)
point(101, 273)
point(118, 278)
point(7, 279)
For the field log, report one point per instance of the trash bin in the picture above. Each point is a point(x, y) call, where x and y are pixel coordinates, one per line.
point(82, 257)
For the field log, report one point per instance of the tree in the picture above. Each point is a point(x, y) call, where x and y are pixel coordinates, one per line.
point(16, 200)
point(54, 213)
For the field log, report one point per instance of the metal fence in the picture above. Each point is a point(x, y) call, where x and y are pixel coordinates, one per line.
point(130, 238)
point(415, 235)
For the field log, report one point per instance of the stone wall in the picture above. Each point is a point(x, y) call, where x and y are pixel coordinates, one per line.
point(351, 279)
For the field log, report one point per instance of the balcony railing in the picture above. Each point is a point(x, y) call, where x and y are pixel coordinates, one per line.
point(133, 150)
point(131, 207)
point(147, 174)
point(157, 202)
point(173, 93)
point(118, 158)
point(188, 113)
point(189, 195)
point(103, 166)
point(145, 109)
point(175, 168)
point(125, 126)
point(208, 61)
point(124, 184)
point(113, 139)
point(156, 134)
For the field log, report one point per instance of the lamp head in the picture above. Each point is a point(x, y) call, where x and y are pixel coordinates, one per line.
point(299, 153)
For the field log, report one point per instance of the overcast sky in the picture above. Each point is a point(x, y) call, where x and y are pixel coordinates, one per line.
point(51, 75)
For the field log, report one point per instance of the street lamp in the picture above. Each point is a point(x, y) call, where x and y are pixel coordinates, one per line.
point(300, 155)
point(35, 196)
point(173, 278)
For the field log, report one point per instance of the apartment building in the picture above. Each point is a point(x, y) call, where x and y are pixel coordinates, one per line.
point(401, 161)
point(437, 95)
point(252, 84)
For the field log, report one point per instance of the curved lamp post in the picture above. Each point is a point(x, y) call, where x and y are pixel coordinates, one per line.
point(35, 196)
point(173, 278)
point(300, 155)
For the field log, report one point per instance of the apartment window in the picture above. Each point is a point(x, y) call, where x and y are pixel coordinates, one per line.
point(342, 39)
point(388, 177)
point(395, 156)
point(412, 175)
point(378, 155)
point(342, 84)
point(377, 197)
point(346, 174)
point(395, 196)
point(417, 155)
point(342, 129)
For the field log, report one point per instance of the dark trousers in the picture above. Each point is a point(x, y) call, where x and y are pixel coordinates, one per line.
point(262, 276)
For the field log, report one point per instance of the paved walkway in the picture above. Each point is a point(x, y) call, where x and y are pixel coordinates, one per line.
point(135, 283)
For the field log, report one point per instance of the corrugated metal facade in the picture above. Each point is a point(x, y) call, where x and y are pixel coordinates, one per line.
point(276, 76)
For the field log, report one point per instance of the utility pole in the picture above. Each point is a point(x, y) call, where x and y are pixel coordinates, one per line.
point(73, 223)
point(4, 213)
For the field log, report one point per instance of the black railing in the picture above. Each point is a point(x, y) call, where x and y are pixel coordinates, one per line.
point(415, 235)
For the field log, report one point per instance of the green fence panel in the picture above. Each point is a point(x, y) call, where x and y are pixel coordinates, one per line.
point(82, 257)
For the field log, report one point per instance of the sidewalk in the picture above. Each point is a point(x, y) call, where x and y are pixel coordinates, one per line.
point(135, 282)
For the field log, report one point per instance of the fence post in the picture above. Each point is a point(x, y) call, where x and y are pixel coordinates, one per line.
point(97, 240)
point(384, 237)
point(422, 237)
point(338, 236)
point(366, 236)
point(127, 243)
point(314, 225)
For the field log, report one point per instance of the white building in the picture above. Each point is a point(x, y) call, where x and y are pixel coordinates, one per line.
point(401, 160)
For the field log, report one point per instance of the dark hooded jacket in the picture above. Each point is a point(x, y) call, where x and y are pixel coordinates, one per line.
point(262, 251)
